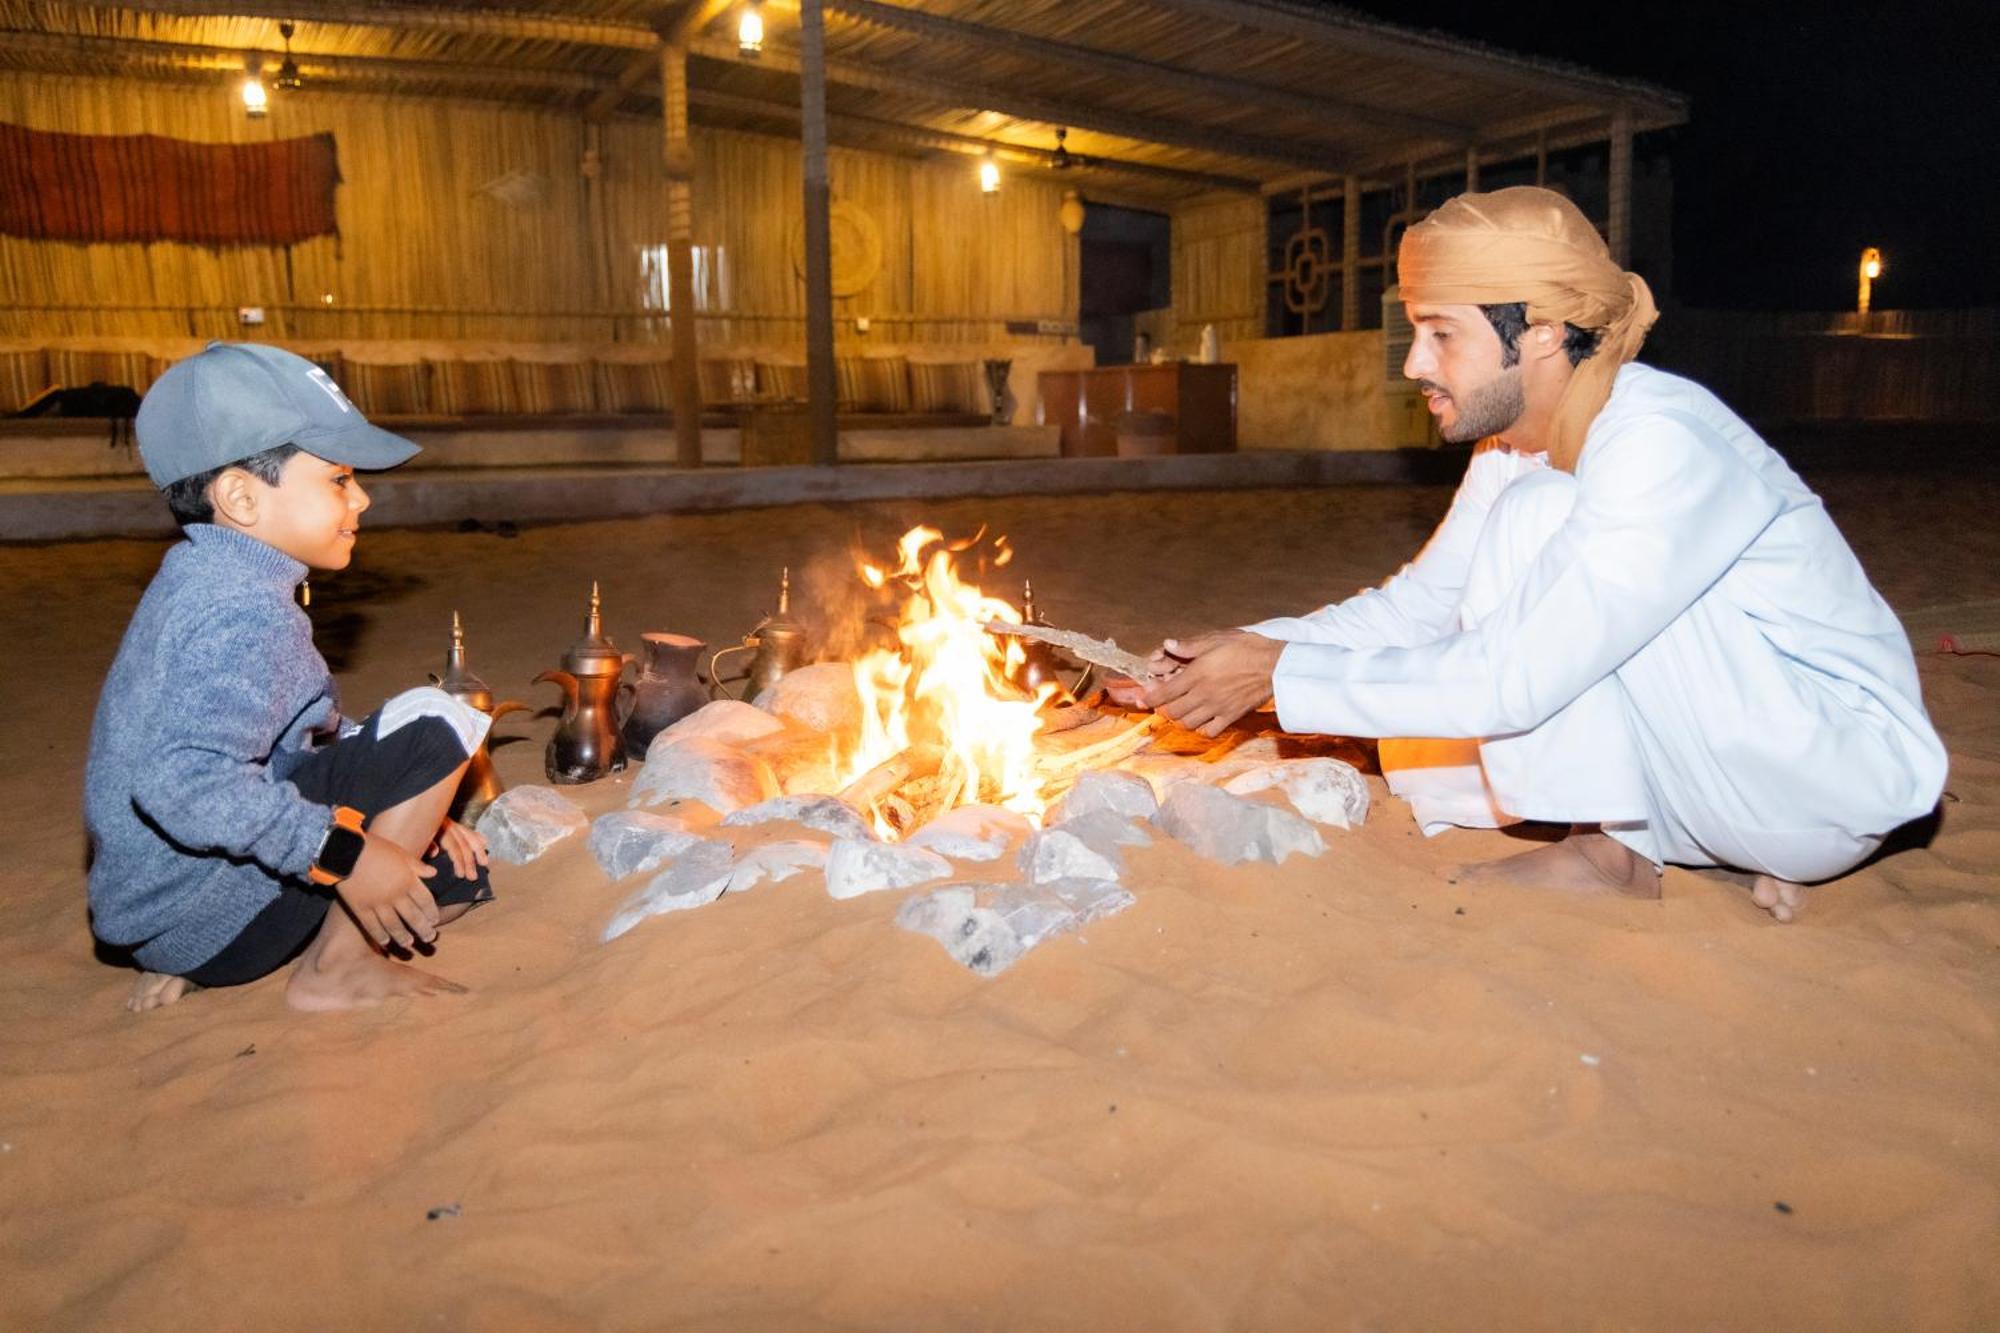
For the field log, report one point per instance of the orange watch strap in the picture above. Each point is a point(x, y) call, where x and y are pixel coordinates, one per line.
point(347, 817)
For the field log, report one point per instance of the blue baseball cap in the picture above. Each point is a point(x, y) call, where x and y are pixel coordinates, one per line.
point(232, 400)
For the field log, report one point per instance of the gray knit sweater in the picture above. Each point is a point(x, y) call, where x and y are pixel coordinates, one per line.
point(214, 697)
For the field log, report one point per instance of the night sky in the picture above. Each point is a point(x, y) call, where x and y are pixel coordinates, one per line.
point(1814, 130)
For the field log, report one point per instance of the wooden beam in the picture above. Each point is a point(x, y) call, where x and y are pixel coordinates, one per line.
point(1052, 111)
point(524, 25)
point(1619, 227)
point(691, 21)
point(59, 52)
point(1382, 41)
point(923, 137)
point(1350, 255)
point(679, 161)
point(820, 390)
point(1233, 91)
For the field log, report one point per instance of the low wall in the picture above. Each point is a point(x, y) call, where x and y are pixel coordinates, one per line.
point(1316, 391)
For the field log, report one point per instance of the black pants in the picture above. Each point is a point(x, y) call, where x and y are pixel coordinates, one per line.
point(371, 775)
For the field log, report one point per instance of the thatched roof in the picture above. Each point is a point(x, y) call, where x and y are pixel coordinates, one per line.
point(1161, 98)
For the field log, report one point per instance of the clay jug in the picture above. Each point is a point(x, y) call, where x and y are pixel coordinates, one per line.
point(668, 689)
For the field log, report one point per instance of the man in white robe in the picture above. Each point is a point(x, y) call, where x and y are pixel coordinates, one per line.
point(1634, 619)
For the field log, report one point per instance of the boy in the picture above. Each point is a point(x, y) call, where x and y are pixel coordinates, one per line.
point(222, 828)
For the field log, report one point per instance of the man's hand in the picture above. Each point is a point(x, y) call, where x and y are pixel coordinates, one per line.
point(466, 848)
point(1206, 683)
point(386, 893)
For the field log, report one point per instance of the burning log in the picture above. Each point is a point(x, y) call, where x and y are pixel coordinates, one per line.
point(1062, 768)
point(918, 761)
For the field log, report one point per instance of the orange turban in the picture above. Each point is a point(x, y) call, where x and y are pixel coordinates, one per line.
point(1534, 246)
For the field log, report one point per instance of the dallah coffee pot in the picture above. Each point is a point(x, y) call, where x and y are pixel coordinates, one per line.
point(586, 745)
point(481, 786)
point(779, 642)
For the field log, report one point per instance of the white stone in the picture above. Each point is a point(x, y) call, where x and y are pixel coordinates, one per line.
point(526, 821)
point(777, 862)
point(626, 842)
point(719, 776)
point(1231, 829)
point(988, 929)
point(1326, 791)
point(803, 762)
point(828, 814)
point(821, 697)
point(1126, 794)
point(1088, 900)
point(730, 721)
point(972, 833)
point(975, 936)
point(697, 877)
point(1087, 847)
point(1057, 853)
point(854, 867)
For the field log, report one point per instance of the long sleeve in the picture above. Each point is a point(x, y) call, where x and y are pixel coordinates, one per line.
point(206, 787)
point(1419, 603)
point(1664, 508)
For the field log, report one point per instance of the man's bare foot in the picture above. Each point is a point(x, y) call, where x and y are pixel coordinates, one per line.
point(1587, 861)
point(157, 990)
point(359, 983)
point(1780, 897)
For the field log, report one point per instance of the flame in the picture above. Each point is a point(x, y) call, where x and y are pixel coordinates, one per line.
point(949, 684)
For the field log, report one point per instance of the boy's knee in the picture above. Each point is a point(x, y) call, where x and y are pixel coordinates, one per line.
point(467, 723)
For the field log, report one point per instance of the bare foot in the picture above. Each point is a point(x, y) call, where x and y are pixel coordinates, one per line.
point(1780, 897)
point(341, 969)
point(157, 990)
point(359, 982)
point(1587, 861)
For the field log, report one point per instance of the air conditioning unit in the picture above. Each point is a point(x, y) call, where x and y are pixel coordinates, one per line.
point(1411, 425)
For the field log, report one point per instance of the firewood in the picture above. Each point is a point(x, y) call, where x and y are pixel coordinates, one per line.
point(899, 768)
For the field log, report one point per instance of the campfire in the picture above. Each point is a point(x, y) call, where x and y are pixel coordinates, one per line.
point(922, 759)
point(945, 719)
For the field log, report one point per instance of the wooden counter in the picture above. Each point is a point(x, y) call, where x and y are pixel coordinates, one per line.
point(1087, 405)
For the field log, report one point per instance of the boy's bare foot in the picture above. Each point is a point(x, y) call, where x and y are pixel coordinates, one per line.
point(157, 990)
point(358, 983)
point(340, 969)
point(1587, 861)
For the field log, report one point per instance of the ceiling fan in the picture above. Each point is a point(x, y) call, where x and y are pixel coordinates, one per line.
point(1062, 159)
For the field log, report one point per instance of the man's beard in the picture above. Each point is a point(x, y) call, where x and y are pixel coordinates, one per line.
point(1490, 409)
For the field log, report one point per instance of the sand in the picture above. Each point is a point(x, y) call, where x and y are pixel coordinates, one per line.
point(1342, 1093)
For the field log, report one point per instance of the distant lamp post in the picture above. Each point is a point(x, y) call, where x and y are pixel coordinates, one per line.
point(750, 30)
point(1871, 269)
point(989, 175)
point(256, 102)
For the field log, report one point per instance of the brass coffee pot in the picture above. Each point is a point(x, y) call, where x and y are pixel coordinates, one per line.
point(779, 642)
point(586, 745)
point(481, 785)
point(1039, 663)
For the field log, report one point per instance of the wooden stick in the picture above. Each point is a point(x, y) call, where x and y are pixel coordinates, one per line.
point(904, 766)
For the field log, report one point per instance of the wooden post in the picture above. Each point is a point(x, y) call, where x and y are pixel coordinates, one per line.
point(1472, 169)
point(1618, 232)
point(1350, 254)
point(1542, 158)
point(819, 234)
point(680, 256)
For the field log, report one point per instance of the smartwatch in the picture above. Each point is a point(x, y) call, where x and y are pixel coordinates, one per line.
point(340, 850)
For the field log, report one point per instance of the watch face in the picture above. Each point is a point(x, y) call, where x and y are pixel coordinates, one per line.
point(341, 851)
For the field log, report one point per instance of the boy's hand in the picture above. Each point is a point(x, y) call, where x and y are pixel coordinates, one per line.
point(466, 848)
point(386, 893)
